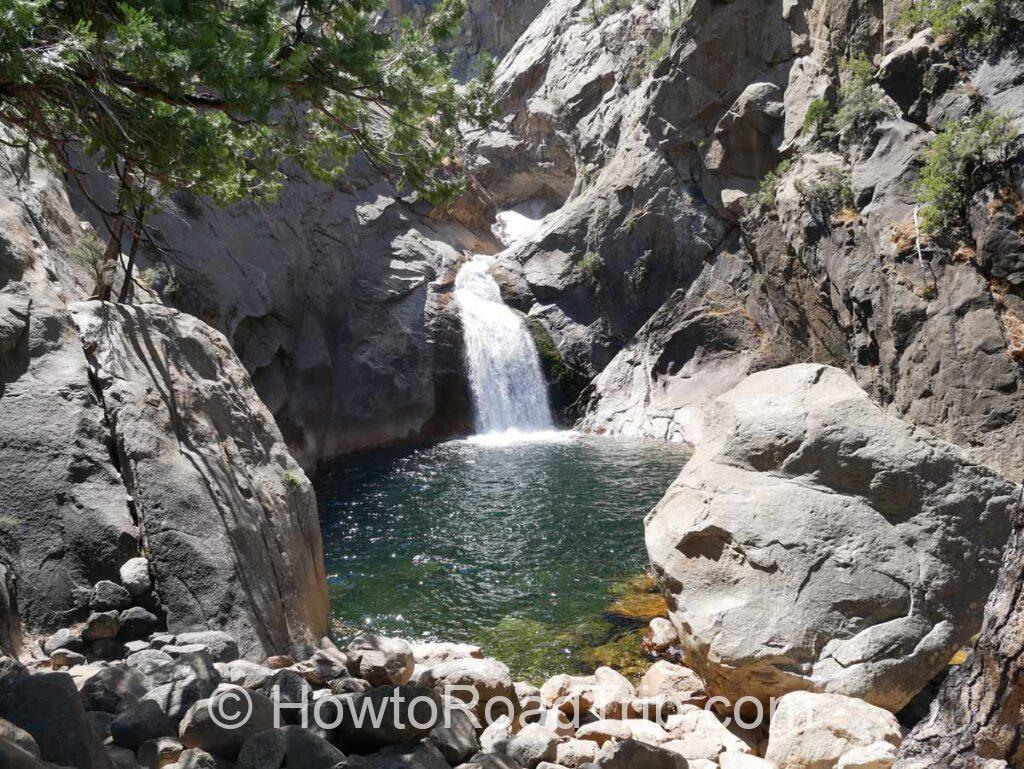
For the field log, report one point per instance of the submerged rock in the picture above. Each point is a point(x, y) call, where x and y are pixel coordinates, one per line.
point(815, 542)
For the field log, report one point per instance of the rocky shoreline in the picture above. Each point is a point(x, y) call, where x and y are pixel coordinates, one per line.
point(109, 697)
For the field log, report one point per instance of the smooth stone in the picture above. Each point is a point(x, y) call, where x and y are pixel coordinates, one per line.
point(135, 576)
point(107, 595)
point(381, 661)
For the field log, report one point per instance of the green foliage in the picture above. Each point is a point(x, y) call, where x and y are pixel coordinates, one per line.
point(827, 193)
point(959, 153)
point(978, 25)
point(215, 97)
point(819, 116)
point(87, 252)
point(860, 103)
point(590, 268)
point(291, 480)
point(765, 198)
point(602, 9)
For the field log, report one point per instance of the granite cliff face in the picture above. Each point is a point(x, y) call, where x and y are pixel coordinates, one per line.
point(135, 431)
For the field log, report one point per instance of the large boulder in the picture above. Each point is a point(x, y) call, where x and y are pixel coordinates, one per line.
point(814, 542)
point(47, 706)
point(816, 731)
point(228, 517)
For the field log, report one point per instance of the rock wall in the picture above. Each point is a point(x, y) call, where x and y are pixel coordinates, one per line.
point(153, 443)
point(227, 518)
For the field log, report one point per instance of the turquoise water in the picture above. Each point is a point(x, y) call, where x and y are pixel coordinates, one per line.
point(519, 546)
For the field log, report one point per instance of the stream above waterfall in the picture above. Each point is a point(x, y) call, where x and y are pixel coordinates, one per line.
point(520, 546)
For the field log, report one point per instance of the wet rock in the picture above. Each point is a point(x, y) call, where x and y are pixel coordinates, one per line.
point(809, 730)
point(381, 661)
point(661, 636)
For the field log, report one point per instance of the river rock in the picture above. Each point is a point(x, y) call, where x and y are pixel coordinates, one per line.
point(231, 530)
point(65, 658)
point(381, 661)
point(428, 654)
point(243, 673)
point(878, 755)
point(134, 575)
point(668, 681)
point(575, 753)
point(481, 679)
point(137, 623)
point(632, 754)
point(183, 682)
point(108, 595)
point(410, 713)
point(661, 635)
point(812, 731)
point(221, 645)
point(18, 736)
point(533, 744)
point(840, 497)
point(697, 733)
point(456, 738)
point(64, 639)
point(47, 706)
point(159, 753)
point(424, 756)
point(607, 730)
point(210, 724)
point(265, 750)
point(114, 689)
point(568, 693)
point(140, 723)
point(101, 626)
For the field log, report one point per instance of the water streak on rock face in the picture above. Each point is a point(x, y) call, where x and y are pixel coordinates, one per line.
point(504, 372)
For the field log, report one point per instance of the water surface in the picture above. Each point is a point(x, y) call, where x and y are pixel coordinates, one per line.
point(520, 545)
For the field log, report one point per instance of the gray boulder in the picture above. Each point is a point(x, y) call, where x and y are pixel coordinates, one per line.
point(221, 645)
point(231, 527)
point(134, 575)
point(100, 626)
point(136, 623)
point(140, 723)
point(381, 661)
point(409, 713)
point(222, 724)
point(533, 744)
point(64, 639)
point(47, 706)
point(423, 756)
point(489, 678)
point(183, 682)
point(18, 736)
point(457, 740)
point(108, 595)
point(115, 688)
point(814, 542)
point(632, 754)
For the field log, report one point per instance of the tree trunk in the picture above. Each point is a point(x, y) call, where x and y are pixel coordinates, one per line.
point(977, 719)
point(112, 254)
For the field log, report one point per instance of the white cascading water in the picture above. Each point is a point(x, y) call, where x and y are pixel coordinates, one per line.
point(509, 393)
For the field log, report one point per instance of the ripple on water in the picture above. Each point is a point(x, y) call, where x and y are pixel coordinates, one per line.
point(520, 543)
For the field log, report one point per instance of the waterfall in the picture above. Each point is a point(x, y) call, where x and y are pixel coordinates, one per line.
point(509, 393)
